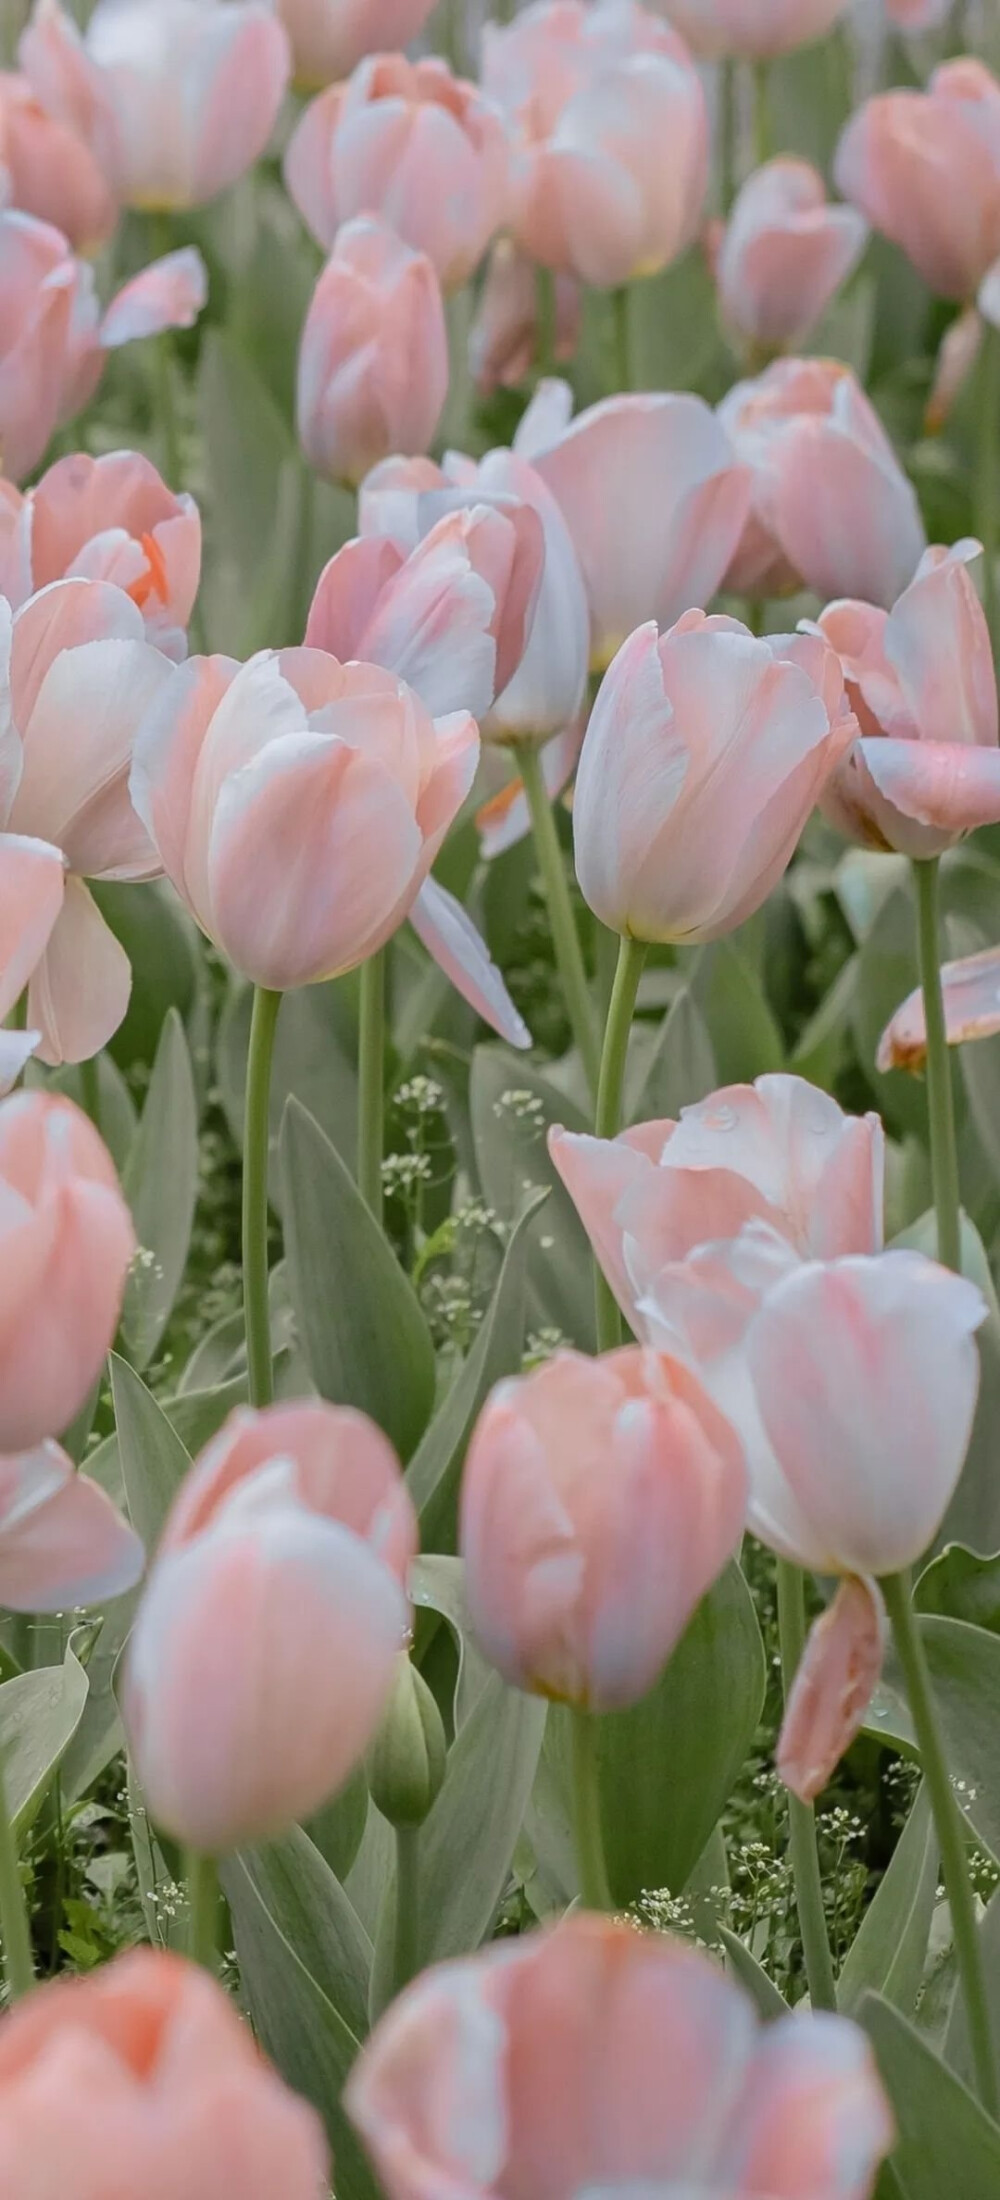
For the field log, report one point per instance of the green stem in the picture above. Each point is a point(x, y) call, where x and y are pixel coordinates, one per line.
point(727, 134)
point(620, 307)
point(90, 1089)
point(569, 956)
point(801, 1816)
point(950, 1832)
point(545, 315)
point(631, 956)
point(406, 1945)
point(371, 1082)
point(256, 1139)
point(987, 492)
point(595, 1893)
point(203, 1908)
point(940, 1095)
point(762, 135)
point(19, 1969)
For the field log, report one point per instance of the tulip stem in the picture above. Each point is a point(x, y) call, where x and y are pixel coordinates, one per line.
point(940, 1096)
point(727, 133)
point(545, 316)
point(19, 1969)
point(595, 1893)
point(988, 475)
point(631, 956)
point(203, 1908)
point(569, 955)
point(896, 1589)
point(406, 1943)
point(256, 1141)
point(371, 1082)
point(801, 1816)
point(620, 306)
point(762, 136)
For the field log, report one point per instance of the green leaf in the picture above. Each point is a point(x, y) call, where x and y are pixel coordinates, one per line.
point(511, 1109)
point(467, 1842)
point(745, 1967)
point(255, 487)
point(668, 1765)
point(887, 972)
point(961, 1585)
point(681, 1068)
point(338, 1829)
point(39, 1715)
point(160, 941)
point(973, 1516)
point(965, 1670)
point(315, 1057)
point(890, 1949)
point(362, 1330)
point(161, 1186)
point(958, 2052)
point(738, 1017)
point(153, 1458)
point(947, 2144)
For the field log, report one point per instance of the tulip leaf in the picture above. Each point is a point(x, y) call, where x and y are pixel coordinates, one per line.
point(153, 1459)
point(676, 1755)
point(160, 1183)
point(315, 1057)
point(965, 1671)
point(752, 1976)
point(39, 1715)
point(362, 1329)
point(160, 940)
point(947, 2143)
point(739, 1020)
point(957, 2046)
point(512, 1108)
point(890, 1949)
point(958, 1584)
point(338, 1828)
point(681, 1069)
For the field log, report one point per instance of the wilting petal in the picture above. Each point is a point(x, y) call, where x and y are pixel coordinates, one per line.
point(62, 1543)
point(971, 989)
point(80, 988)
point(448, 933)
point(170, 293)
point(833, 1687)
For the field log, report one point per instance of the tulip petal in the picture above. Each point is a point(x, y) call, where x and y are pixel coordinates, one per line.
point(814, 2117)
point(32, 885)
point(76, 791)
point(945, 786)
point(448, 933)
point(171, 293)
point(833, 1686)
point(80, 988)
point(971, 990)
point(71, 1547)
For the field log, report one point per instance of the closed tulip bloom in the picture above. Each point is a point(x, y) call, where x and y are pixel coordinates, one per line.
point(924, 168)
point(297, 805)
point(600, 1499)
point(927, 767)
point(266, 1642)
point(53, 172)
point(177, 100)
point(37, 283)
point(832, 509)
point(705, 753)
point(329, 37)
point(373, 363)
point(971, 990)
point(412, 143)
point(504, 337)
point(32, 886)
point(784, 254)
point(109, 519)
point(666, 2080)
point(757, 28)
point(143, 2078)
point(661, 544)
point(62, 1543)
point(67, 1241)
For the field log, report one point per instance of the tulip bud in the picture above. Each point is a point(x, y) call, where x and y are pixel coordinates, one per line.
point(407, 1760)
point(373, 366)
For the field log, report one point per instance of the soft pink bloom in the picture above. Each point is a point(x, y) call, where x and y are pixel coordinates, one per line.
point(591, 2056)
point(971, 989)
point(600, 1499)
point(329, 37)
point(109, 519)
point(924, 167)
point(53, 173)
point(142, 2078)
point(927, 766)
point(836, 1679)
point(784, 253)
point(957, 355)
point(536, 64)
point(503, 339)
point(67, 1241)
point(62, 1543)
point(412, 143)
point(660, 542)
point(778, 1152)
point(705, 753)
point(832, 508)
point(32, 886)
point(758, 28)
point(169, 293)
point(373, 362)
point(177, 99)
point(297, 805)
point(447, 931)
point(266, 1641)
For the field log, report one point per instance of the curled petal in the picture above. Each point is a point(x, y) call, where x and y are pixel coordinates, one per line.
point(80, 988)
point(971, 989)
point(32, 885)
point(448, 933)
point(833, 1687)
point(62, 1543)
point(170, 293)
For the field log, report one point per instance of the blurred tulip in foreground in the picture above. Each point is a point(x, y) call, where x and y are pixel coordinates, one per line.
point(109, 519)
point(373, 362)
point(142, 2078)
point(784, 254)
point(918, 15)
point(62, 1543)
point(32, 886)
point(666, 2080)
point(329, 37)
point(757, 28)
point(600, 1499)
point(53, 172)
point(505, 335)
point(971, 990)
point(921, 679)
point(661, 543)
point(413, 144)
point(924, 167)
point(266, 1642)
point(832, 508)
point(67, 1240)
point(705, 753)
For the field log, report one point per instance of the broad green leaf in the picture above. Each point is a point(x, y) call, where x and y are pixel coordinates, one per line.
point(681, 1068)
point(153, 1459)
point(371, 1873)
point(745, 1967)
point(161, 1186)
point(437, 1584)
point(99, 1735)
point(965, 1671)
point(362, 1330)
point(116, 1116)
point(468, 1840)
point(887, 972)
point(960, 1585)
point(947, 2144)
point(512, 1107)
point(890, 1949)
point(338, 1829)
point(160, 941)
point(39, 1715)
point(740, 1023)
point(957, 2048)
point(668, 1765)
point(315, 1057)
point(255, 500)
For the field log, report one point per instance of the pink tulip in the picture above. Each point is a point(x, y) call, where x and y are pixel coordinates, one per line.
point(37, 282)
point(836, 1679)
point(704, 755)
point(266, 1642)
point(924, 167)
point(67, 1244)
point(142, 2078)
point(971, 989)
point(82, 675)
point(535, 65)
point(53, 173)
point(412, 143)
point(176, 100)
point(169, 293)
point(108, 519)
point(32, 886)
point(661, 543)
point(329, 37)
point(297, 805)
point(757, 28)
point(503, 340)
point(61, 1541)
point(832, 509)
point(373, 364)
point(600, 1499)
point(778, 1152)
point(927, 767)
point(784, 254)
point(591, 2057)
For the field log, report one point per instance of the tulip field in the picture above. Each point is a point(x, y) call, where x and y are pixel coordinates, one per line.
point(499, 1100)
